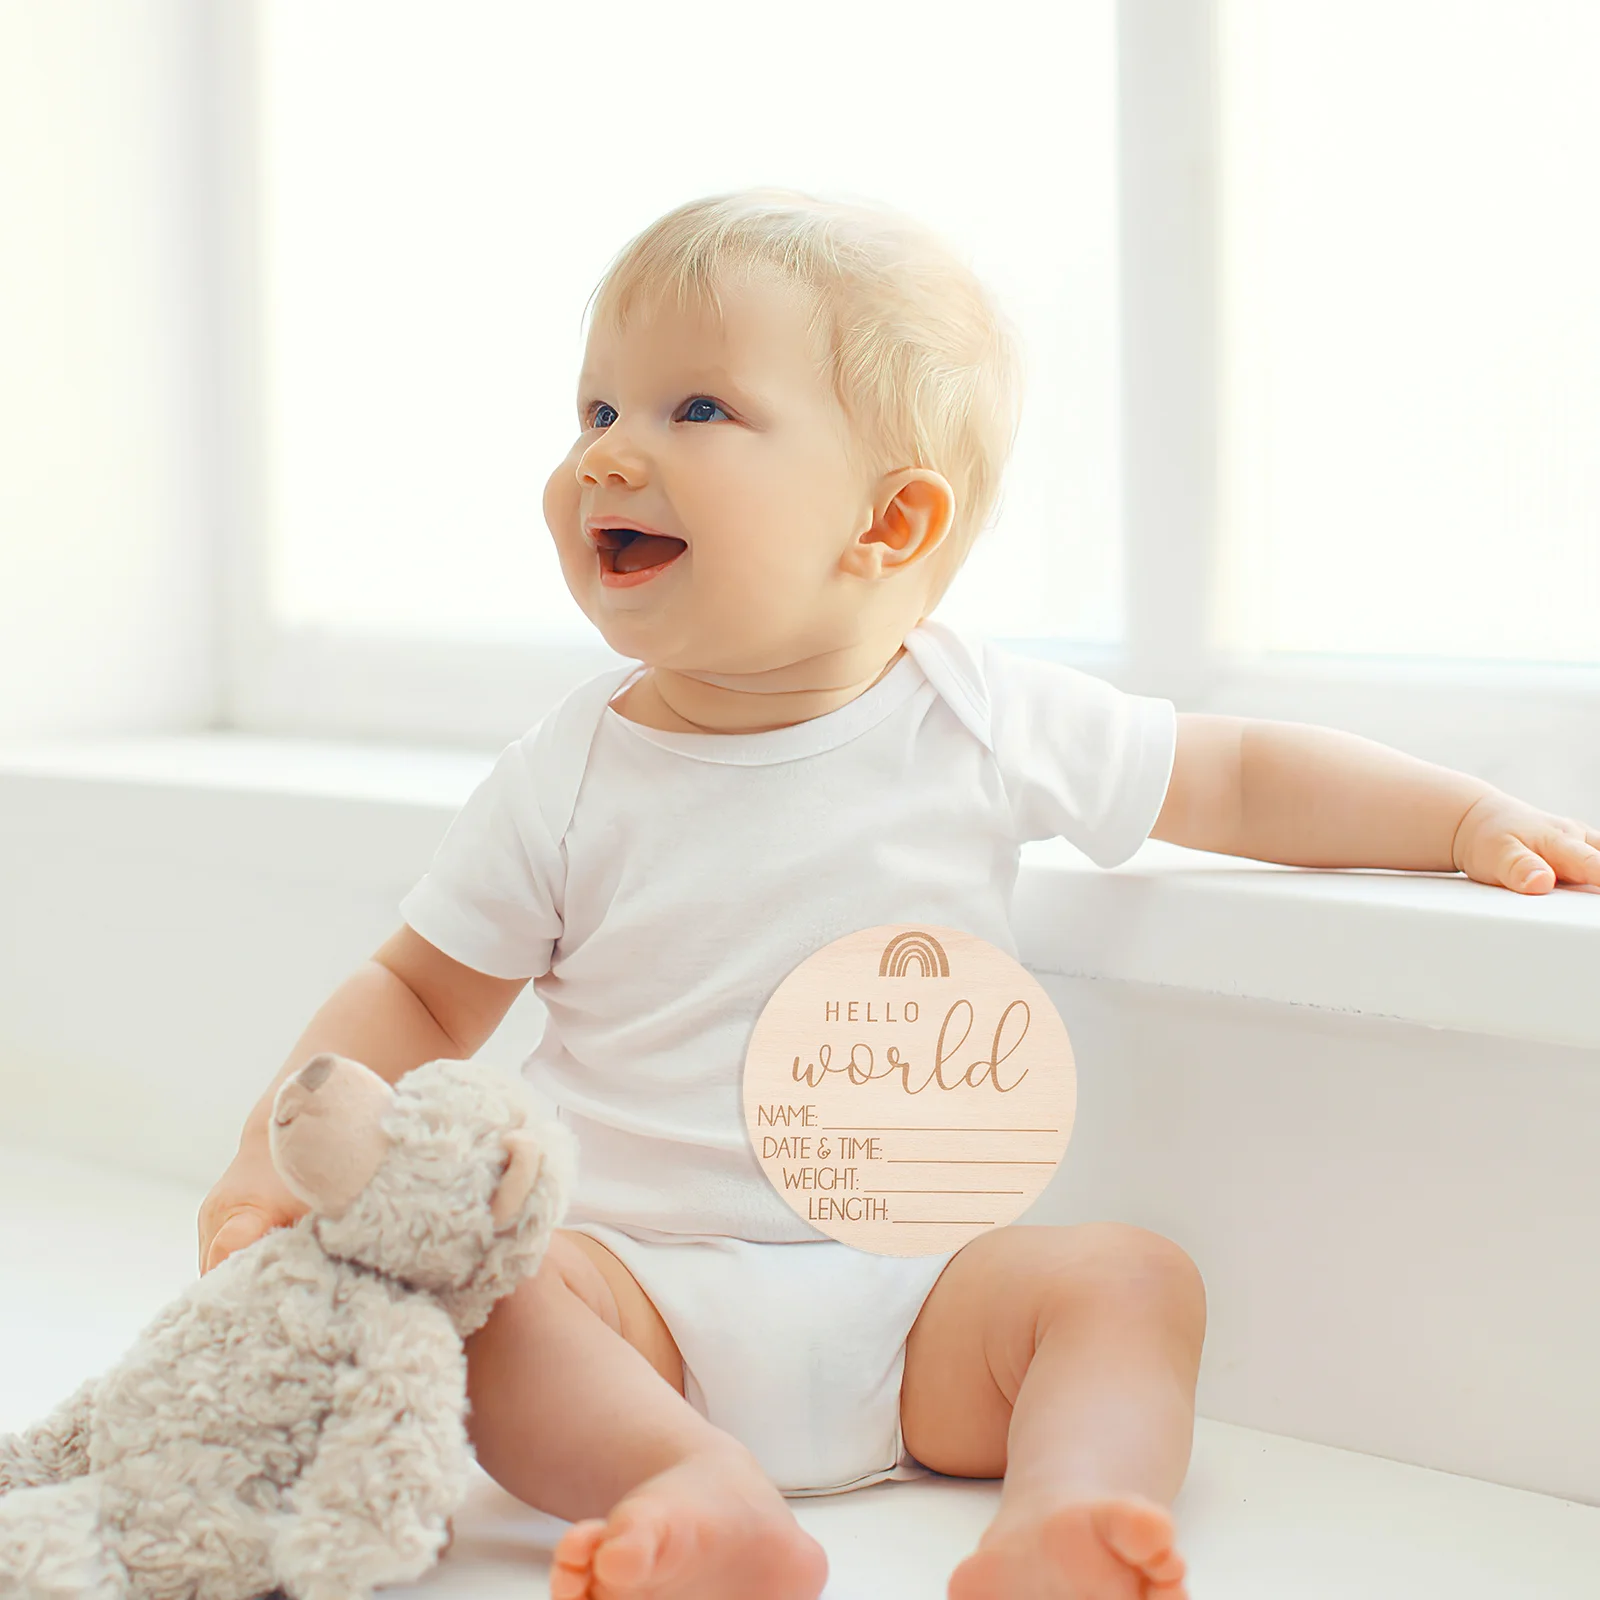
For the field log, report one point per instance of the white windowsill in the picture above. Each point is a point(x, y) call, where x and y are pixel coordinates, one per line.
point(1431, 949)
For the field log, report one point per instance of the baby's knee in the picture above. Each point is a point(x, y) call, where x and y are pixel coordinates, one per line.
point(563, 1276)
point(1121, 1261)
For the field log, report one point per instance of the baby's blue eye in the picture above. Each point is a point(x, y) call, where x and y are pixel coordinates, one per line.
point(594, 415)
point(702, 401)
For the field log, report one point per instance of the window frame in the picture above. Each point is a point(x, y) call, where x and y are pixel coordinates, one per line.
point(1527, 728)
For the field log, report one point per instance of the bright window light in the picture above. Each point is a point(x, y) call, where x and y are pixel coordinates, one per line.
point(443, 185)
point(1411, 327)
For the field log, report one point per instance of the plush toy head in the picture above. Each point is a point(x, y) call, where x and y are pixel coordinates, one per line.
point(449, 1180)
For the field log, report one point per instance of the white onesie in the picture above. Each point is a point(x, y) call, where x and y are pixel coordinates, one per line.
point(657, 887)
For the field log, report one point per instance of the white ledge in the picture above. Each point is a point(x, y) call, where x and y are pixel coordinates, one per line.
point(1426, 948)
point(1422, 947)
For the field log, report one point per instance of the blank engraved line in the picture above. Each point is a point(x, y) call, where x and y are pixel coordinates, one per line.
point(968, 1161)
point(942, 1191)
point(867, 1127)
point(943, 1222)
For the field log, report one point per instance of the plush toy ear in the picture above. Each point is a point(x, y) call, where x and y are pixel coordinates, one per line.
point(524, 1160)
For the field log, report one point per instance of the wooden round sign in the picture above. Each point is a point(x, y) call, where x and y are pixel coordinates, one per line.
point(908, 1088)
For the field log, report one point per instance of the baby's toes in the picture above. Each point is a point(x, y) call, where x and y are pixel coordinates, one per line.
point(573, 1563)
point(632, 1549)
point(1141, 1532)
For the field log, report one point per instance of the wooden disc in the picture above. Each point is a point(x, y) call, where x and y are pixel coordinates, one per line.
point(908, 1088)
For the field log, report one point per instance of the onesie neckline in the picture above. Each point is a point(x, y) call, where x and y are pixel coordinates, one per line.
point(808, 738)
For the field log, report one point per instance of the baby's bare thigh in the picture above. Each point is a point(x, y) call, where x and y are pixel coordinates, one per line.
point(606, 1286)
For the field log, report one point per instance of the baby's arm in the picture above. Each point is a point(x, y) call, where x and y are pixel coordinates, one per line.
point(408, 1004)
point(1320, 797)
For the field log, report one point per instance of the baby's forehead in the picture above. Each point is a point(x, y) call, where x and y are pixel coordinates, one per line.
point(763, 334)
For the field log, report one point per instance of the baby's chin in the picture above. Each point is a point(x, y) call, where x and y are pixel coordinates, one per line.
point(683, 640)
point(633, 631)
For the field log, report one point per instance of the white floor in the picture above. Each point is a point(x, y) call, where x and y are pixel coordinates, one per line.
point(87, 1256)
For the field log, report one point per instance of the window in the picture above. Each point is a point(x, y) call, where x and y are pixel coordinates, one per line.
point(1314, 361)
point(440, 188)
point(1410, 328)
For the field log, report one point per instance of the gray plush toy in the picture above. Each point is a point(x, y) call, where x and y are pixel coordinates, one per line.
point(295, 1420)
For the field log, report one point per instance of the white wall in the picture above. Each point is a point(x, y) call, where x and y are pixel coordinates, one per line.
point(108, 435)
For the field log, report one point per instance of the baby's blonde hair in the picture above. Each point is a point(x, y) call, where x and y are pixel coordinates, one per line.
point(928, 369)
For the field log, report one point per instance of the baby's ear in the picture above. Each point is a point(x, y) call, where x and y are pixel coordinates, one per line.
point(524, 1159)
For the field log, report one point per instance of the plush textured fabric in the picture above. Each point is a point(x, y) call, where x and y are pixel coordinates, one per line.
point(295, 1420)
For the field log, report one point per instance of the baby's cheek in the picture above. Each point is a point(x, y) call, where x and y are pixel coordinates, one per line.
point(561, 498)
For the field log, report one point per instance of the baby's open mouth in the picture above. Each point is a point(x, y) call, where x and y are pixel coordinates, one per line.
point(628, 550)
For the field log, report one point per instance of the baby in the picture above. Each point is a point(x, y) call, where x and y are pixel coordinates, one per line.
point(792, 420)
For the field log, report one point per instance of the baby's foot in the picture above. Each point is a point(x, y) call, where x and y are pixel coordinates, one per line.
point(713, 1527)
point(1115, 1548)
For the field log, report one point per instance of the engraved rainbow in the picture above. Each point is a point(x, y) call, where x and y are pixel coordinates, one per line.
point(905, 948)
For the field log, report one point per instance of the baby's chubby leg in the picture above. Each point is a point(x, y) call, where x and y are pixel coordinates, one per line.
point(1065, 1360)
point(577, 1408)
point(573, 1402)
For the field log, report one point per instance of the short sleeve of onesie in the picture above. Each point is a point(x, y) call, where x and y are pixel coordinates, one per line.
point(491, 899)
point(1081, 759)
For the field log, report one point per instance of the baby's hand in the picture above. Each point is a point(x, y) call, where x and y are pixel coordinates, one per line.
point(1504, 842)
point(248, 1201)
